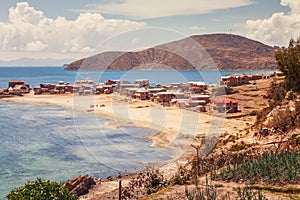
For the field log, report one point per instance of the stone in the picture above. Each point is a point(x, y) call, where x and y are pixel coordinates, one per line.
point(80, 185)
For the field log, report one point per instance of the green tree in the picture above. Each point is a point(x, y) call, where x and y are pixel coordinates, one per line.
point(40, 190)
point(288, 61)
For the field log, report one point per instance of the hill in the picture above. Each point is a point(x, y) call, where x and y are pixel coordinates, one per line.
point(200, 52)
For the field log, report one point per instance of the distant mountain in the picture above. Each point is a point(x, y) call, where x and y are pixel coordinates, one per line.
point(28, 62)
point(198, 52)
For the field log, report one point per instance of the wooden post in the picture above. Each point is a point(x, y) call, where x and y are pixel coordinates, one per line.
point(198, 160)
point(120, 189)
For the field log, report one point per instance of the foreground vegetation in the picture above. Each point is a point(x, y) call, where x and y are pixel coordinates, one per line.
point(41, 190)
point(282, 168)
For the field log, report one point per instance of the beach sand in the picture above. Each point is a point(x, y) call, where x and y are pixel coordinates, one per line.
point(173, 127)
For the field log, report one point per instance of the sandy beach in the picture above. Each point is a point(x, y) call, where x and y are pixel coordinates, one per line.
point(174, 128)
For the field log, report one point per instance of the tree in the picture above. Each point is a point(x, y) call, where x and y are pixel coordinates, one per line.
point(288, 61)
point(41, 190)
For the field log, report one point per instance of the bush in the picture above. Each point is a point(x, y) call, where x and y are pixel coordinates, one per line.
point(276, 93)
point(41, 190)
point(146, 182)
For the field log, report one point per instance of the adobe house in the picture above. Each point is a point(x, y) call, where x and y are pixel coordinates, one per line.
point(165, 97)
point(141, 94)
point(37, 90)
point(21, 89)
point(225, 105)
point(205, 98)
point(152, 91)
point(123, 87)
point(234, 80)
point(180, 103)
point(108, 89)
point(256, 77)
point(13, 83)
point(201, 108)
point(142, 82)
point(18, 86)
point(198, 87)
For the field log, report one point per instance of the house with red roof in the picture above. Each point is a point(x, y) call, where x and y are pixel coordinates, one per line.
point(225, 105)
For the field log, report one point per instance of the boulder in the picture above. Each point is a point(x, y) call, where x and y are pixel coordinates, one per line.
point(80, 185)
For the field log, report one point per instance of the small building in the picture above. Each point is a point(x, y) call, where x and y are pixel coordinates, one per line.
point(21, 89)
point(180, 103)
point(130, 92)
point(201, 108)
point(196, 103)
point(152, 91)
point(205, 98)
point(37, 90)
point(84, 82)
point(108, 89)
point(256, 77)
point(179, 95)
point(13, 83)
point(234, 80)
point(225, 105)
point(142, 82)
point(123, 87)
point(18, 86)
point(278, 73)
point(198, 87)
point(165, 97)
point(141, 94)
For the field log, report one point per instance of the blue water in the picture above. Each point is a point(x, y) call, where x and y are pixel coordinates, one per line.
point(49, 142)
point(36, 75)
point(43, 141)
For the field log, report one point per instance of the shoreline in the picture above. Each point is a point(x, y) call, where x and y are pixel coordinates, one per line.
point(143, 114)
point(173, 127)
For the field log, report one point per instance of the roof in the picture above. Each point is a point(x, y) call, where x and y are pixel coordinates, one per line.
point(156, 89)
point(142, 80)
point(16, 81)
point(141, 90)
point(201, 96)
point(162, 93)
point(199, 83)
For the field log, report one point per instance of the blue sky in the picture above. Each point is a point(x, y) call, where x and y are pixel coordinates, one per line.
point(73, 29)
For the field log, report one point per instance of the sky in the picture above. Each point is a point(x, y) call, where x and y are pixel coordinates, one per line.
point(69, 30)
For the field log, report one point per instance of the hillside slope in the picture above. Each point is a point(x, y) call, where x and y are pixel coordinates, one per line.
point(201, 52)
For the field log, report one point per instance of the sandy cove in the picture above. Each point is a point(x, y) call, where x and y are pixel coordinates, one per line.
point(169, 123)
point(174, 128)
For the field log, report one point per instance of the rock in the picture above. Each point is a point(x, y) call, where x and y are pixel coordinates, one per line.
point(80, 185)
point(264, 132)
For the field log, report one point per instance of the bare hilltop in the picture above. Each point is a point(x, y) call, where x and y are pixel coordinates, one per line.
point(198, 52)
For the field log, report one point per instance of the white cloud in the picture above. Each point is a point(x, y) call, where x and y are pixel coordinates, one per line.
point(29, 30)
point(164, 8)
point(279, 28)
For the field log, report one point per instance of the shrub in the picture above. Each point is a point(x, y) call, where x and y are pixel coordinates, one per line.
point(276, 93)
point(41, 190)
point(146, 182)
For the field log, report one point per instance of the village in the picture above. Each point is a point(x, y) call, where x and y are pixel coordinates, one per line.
point(195, 96)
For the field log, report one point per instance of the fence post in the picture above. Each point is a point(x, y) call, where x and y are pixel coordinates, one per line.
point(198, 160)
point(120, 189)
